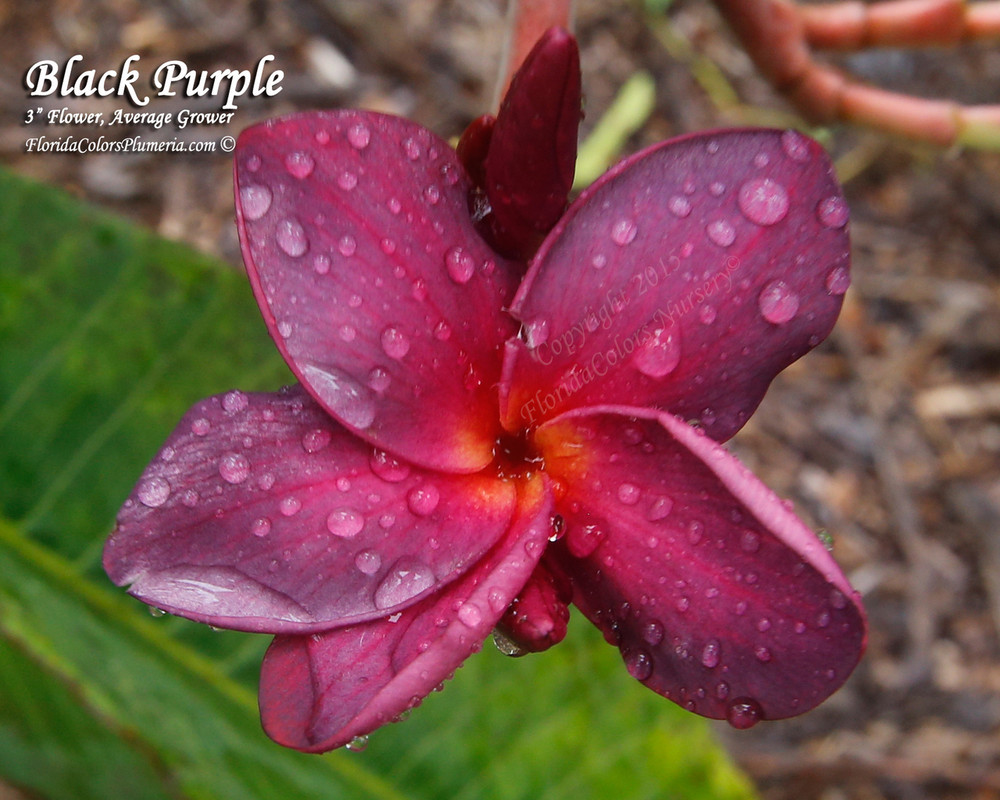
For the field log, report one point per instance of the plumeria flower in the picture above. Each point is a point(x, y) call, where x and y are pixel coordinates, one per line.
point(479, 438)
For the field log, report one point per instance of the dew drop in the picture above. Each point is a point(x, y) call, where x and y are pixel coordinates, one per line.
point(347, 180)
point(623, 232)
point(153, 492)
point(721, 232)
point(358, 136)
point(716, 188)
point(394, 205)
point(378, 379)
point(322, 137)
point(763, 201)
point(838, 280)
point(289, 506)
point(652, 632)
point(255, 201)
point(660, 509)
point(299, 164)
point(639, 664)
point(722, 690)
point(345, 522)
point(347, 333)
point(190, 498)
point(712, 147)
point(628, 493)
point(696, 530)
point(291, 238)
point(395, 343)
point(368, 561)
point(387, 467)
point(710, 654)
point(321, 264)
point(469, 614)
point(284, 329)
point(682, 604)
point(404, 582)
point(347, 245)
point(315, 440)
point(357, 744)
point(660, 354)
point(412, 149)
point(795, 145)
point(253, 163)
point(583, 540)
point(234, 402)
point(778, 303)
point(344, 396)
point(679, 206)
point(832, 212)
point(422, 500)
point(460, 265)
point(761, 160)
point(261, 526)
point(432, 194)
point(762, 653)
point(234, 468)
point(743, 713)
point(442, 331)
point(750, 541)
point(600, 261)
point(707, 314)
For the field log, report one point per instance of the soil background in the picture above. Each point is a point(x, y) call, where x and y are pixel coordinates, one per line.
point(887, 435)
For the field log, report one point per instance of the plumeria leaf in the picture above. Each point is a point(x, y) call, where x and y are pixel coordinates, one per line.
point(261, 513)
point(718, 596)
point(373, 281)
point(686, 278)
point(532, 153)
point(320, 692)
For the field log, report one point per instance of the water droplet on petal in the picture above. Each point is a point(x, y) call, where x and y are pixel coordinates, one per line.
point(343, 395)
point(378, 379)
point(696, 529)
point(394, 342)
point(253, 162)
point(795, 145)
point(778, 303)
point(536, 332)
point(412, 149)
point(255, 201)
point(600, 261)
point(470, 614)
point(679, 206)
point(838, 280)
point(721, 232)
point(291, 238)
point(442, 331)
point(347, 333)
point(368, 562)
point(716, 188)
point(422, 500)
point(660, 509)
point(750, 541)
point(710, 655)
point(299, 164)
point(624, 231)
point(387, 467)
point(358, 136)
point(628, 493)
point(761, 160)
point(289, 506)
point(347, 245)
point(639, 664)
point(234, 468)
point(707, 314)
point(153, 492)
point(190, 498)
point(833, 212)
point(762, 653)
point(743, 713)
point(235, 401)
point(315, 440)
point(347, 180)
point(460, 265)
point(357, 744)
point(763, 201)
point(321, 264)
point(652, 632)
point(404, 582)
point(432, 194)
point(394, 205)
point(660, 354)
point(261, 526)
point(345, 522)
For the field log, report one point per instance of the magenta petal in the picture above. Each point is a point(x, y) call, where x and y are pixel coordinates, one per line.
point(532, 153)
point(716, 593)
point(377, 289)
point(686, 278)
point(263, 514)
point(319, 692)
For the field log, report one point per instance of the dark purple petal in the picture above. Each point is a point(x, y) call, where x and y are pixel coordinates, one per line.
point(532, 153)
point(686, 278)
point(263, 514)
point(377, 289)
point(716, 593)
point(319, 692)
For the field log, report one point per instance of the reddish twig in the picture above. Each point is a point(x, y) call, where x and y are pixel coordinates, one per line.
point(779, 36)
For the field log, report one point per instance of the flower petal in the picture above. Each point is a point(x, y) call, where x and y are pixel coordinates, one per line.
point(716, 593)
point(263, 514)
point(319, 692)
point(374, 284)
point(686, 278)
point(532, 152)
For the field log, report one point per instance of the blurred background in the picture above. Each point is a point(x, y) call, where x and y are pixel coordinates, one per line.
point(887, 436)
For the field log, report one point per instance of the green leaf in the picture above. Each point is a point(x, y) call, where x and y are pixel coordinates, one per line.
point(108, 335)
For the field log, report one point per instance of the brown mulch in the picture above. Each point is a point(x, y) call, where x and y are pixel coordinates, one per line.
point(888, 435)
